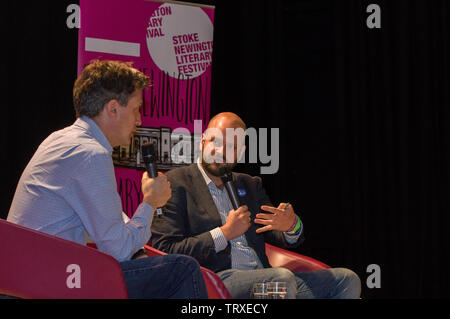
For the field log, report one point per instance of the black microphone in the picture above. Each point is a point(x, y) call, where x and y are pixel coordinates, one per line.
point(227, 179)
point(149, 157)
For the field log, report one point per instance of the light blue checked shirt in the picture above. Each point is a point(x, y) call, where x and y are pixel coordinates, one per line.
point(243, 257)
point(69, 190)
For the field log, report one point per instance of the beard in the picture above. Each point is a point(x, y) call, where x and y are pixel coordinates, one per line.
point(213, 167)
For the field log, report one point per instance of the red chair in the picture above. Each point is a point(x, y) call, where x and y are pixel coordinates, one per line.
point(37, 265)
point(277, 258)
point(293, 261)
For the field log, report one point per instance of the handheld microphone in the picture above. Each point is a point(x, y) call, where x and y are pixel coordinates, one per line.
point(149, 157)
point(227, 179)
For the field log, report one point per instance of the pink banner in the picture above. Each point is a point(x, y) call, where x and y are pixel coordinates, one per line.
point(171, 43)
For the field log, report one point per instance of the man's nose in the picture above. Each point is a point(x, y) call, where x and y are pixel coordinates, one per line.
point(220, 152)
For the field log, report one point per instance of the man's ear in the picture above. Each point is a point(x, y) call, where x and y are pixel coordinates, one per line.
point(112, 108)
point(202, 141)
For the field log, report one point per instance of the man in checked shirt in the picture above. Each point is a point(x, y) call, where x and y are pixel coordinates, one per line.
point(199, 221)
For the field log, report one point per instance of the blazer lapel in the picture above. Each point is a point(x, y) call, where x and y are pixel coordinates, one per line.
point(202, 196)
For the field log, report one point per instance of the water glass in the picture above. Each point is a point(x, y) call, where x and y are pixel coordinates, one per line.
point(269, 290)
point(277, 290)
point(261, 290)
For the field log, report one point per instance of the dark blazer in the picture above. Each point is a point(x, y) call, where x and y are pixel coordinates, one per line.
point(190, 214)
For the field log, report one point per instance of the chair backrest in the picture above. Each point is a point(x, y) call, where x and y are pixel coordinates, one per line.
point(293, 261)
point(38, 265)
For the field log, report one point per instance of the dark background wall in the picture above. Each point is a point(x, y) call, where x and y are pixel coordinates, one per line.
point(363, 117)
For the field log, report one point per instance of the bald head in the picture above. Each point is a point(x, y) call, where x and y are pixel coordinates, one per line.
point(223, 142)
point(226, 120)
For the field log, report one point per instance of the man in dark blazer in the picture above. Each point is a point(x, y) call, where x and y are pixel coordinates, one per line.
point(199, 221)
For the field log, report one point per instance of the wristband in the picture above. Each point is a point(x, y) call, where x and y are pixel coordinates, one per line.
point(295, 226)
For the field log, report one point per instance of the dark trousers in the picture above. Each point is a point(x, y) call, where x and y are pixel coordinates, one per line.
point(164, 277)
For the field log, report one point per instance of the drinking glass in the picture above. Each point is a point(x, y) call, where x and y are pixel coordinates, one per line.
point(260, 290)
point(270, 290)
point(277, 290)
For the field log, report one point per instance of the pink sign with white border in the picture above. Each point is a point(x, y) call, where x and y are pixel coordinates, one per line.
point(172, 43)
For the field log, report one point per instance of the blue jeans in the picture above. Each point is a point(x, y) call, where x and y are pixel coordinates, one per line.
point(334, 283)
point(169, 276)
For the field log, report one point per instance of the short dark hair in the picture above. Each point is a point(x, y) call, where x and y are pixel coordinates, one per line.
point(103, 81)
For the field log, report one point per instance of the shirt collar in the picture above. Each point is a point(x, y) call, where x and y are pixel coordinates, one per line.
point(89, 125)
point(205, 177)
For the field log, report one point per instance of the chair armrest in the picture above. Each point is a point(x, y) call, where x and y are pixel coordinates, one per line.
point(293, 261)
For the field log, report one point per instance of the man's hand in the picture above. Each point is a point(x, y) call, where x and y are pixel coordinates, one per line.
point(238, 222)
point(156, 191)
point(281, 218)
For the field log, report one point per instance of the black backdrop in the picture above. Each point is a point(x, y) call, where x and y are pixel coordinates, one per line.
point(363, 117)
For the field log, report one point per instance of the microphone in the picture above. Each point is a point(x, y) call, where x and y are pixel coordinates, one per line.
point(149, 157)
point(227, 179)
